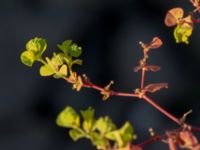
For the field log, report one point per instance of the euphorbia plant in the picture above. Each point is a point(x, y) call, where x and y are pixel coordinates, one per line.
point(102, 132)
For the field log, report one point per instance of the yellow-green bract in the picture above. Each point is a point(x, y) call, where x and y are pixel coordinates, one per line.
point(34, 50)
point(182, 34)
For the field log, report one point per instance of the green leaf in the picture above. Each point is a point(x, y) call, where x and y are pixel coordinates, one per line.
point(127, 132)
point(88, 125)
point(37, 46)
point(57, 60)
point(98, 140)
point(75, 50)
point(182, 34)
point(27, 58)
point(62, 72)
point(46, 70)
point(78, 62)
point(65, 46)
point(122, 136)
point(68, 60)
point(88, 114)
point(65, 58)
point(104, 125)
point(76, 134)
point(68, 118)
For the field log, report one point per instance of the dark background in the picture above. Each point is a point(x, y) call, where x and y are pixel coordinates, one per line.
point(109, 32)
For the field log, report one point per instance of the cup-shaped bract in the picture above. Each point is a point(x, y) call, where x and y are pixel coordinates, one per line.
point(34, 50)
point(173, 15)
point(37, 46)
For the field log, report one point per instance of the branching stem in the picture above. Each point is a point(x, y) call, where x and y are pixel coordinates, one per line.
point(113, 93)
point(124, 94)
point(150, 101)
point(141, 94)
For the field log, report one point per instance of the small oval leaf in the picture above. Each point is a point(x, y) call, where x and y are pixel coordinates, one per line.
point(152, 68)
point(65, 46)
point(68, 118)
point(37, 46)
point(152, 88)
point(75, 50)
point(46, 70)
point(27, 58)
point(156, 43)
point(173, 15)
point(63, 70)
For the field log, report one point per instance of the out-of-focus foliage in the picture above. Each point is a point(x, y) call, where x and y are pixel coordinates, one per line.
point(102, 132)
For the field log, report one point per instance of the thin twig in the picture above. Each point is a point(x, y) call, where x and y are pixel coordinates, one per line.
point(151, 140)
point(197, 129)
point(158, 107)
point(196, 20)
point(142, 78)
point(101, 89)
point(113, 93)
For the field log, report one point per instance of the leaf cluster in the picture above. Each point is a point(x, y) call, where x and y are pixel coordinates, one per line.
point(102, 132)
point(59, 65)
point(34, 50)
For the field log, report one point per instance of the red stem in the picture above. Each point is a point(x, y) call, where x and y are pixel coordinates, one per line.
point(158, 107)
point(143, 70)
point(150, 140)
point(113, 93)
point(147, 99)
point(150, 101)
point(124, 94)
point(196, 20)
point(100, 89)
point(195, 129)
point(142, 78)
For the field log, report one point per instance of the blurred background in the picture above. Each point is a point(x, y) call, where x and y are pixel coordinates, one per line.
point(109, 32)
